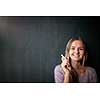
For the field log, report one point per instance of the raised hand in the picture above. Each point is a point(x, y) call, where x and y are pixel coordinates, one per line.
point(65, 64)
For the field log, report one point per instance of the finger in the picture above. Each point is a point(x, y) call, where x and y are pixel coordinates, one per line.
point(69, 68)
point(67, 58)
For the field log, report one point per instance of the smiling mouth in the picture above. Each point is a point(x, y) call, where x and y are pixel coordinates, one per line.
point(76, 56)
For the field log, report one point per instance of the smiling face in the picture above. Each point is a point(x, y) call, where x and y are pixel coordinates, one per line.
point(76, 51)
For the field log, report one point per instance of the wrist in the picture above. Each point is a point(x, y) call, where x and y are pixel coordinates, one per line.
point(66, 74)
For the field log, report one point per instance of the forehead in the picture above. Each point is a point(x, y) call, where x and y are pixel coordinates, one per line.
point(77, 43)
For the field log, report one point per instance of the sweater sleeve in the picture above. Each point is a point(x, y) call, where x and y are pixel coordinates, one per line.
point(58, 74)
point(92, 75)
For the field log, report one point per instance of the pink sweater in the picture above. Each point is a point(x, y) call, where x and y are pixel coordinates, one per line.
point(89, 76)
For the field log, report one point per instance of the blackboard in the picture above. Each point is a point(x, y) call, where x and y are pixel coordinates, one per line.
point(30, 46)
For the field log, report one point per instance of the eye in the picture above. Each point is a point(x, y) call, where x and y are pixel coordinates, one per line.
point(72, 48)
point(81, 48)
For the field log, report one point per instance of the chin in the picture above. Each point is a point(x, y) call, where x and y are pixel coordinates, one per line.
point(75, 59)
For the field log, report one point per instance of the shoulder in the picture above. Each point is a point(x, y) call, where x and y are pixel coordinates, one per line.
point(90, 69)
point(92, 75)
point(58, 68)
point(58, 74)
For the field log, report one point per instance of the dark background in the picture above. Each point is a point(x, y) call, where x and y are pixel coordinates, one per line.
point(30, 47)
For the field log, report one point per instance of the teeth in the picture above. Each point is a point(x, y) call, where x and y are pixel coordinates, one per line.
point(75, 55)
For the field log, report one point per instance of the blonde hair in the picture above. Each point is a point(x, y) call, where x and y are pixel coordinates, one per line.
point(69, 45)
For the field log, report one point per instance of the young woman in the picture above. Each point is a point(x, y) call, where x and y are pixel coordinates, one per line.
point(72, 68)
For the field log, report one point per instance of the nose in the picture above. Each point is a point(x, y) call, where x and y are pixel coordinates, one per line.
point(77, 51)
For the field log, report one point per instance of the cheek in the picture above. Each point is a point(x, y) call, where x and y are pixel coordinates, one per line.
point(82, 53)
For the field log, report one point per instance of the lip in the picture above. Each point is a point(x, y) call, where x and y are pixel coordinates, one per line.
point(76, 56)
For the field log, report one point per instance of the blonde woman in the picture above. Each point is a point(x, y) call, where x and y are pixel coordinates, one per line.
point(72, 68)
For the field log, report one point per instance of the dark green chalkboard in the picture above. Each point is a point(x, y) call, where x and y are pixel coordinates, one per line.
point(30, 47)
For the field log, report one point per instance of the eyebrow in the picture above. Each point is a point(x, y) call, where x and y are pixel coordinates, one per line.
point(75, 46)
